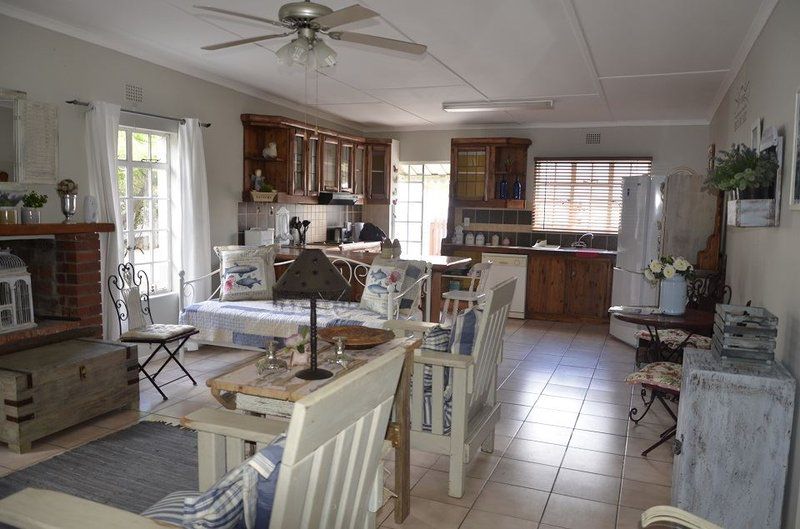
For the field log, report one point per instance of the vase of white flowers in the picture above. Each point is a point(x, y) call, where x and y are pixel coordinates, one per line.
point(672, 272)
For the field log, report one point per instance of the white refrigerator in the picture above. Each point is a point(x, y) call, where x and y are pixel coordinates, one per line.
point(641, 234)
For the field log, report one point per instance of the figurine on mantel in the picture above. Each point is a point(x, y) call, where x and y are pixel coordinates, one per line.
point(458, 236)
point(270, 152)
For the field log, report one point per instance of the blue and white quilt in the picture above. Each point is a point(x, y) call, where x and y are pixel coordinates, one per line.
point(252, 323)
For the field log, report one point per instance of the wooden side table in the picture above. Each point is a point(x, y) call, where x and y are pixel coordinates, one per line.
point(693, 321)
point(274, 395)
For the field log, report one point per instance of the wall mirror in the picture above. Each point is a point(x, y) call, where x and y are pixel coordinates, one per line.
point(28, 139)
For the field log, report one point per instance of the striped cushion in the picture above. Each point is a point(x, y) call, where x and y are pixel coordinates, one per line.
point(465, 331)
point(242, 499)
point(437, 339)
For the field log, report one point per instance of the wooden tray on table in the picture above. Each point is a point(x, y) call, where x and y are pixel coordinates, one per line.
point(356, 336)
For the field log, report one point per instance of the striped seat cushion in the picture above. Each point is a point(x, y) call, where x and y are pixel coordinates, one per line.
point(242, 499)
point(458, 340)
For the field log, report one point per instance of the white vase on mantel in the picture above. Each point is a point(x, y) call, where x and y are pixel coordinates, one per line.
point(673, 296)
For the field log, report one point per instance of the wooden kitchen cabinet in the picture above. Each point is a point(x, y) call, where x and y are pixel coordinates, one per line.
point(309, 159)
point(565, 286)
point(379, 171)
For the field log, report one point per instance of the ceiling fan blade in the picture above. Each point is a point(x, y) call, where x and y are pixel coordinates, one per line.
point(380, 42)
point(354, 13)
point(239, 42)
point(242, 15)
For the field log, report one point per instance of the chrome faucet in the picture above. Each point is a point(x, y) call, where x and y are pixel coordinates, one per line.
point(580, 243)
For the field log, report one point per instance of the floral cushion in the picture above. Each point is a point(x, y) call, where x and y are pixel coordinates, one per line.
point(675, 337)
point(665, 375)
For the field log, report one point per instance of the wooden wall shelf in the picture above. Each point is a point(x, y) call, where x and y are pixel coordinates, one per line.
point(21, 230)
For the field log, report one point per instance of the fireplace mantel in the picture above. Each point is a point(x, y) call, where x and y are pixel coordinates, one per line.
point(26, 230)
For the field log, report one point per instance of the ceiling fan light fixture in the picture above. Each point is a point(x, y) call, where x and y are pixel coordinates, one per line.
point(489, 106)
point(324, 55)
point(294, 52)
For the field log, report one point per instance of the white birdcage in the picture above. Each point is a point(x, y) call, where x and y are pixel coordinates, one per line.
point(16, 298)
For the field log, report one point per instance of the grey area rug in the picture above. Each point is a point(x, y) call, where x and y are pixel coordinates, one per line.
point(130, 469)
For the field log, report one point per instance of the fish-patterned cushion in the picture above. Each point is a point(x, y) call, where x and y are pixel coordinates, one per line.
point(383, 277)
point(246, 272)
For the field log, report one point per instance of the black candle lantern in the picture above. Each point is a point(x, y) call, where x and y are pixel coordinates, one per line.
point(312, 276)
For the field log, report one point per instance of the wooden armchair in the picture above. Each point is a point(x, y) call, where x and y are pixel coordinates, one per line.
point(330, 474)
point(473, 407)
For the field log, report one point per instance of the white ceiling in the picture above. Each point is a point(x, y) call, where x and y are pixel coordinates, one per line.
point(602, 61)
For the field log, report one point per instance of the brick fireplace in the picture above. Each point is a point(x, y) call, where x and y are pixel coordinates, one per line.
point(64, 262)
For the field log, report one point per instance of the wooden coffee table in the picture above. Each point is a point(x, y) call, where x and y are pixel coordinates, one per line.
point(274, 396)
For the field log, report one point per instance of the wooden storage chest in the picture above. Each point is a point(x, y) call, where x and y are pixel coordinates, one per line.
point(50, 388)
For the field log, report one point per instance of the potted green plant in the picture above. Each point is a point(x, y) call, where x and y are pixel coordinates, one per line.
point(32, 203)
point(744, 171)
point(9, 214)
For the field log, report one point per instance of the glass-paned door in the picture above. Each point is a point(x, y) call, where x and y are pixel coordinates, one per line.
point(420, 210)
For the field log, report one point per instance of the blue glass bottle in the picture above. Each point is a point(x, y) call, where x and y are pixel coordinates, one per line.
point(502, 189)
point(516, 191)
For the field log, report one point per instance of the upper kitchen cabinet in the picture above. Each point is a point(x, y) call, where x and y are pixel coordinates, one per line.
point(379, 171)
point(484, 172)
point(299, 160)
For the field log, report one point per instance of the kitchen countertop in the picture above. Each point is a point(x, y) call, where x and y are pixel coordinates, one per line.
point(438, 262)
point(585, 252)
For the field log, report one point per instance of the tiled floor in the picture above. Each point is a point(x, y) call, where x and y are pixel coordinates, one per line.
point(565, 454)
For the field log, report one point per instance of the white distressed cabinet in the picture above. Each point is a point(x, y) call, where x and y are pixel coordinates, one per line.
point(734, 433)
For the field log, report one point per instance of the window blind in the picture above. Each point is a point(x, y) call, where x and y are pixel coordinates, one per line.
point(581, 194)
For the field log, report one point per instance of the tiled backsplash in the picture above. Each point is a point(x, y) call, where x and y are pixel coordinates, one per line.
point(262, 215)
point(516, 225)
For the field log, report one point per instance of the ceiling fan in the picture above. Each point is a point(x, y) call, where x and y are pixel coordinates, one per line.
point(309, 20)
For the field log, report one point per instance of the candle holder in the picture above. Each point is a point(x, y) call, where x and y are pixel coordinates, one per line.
point(342, 358)
point(69, 204)
point(271, 363)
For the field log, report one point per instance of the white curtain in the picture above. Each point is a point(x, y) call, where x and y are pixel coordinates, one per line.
point(195, 236)
point(102, 124)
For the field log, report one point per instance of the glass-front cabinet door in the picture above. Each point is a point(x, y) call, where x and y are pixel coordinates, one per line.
point(330, 155)
point(298, 163)
point(312, 158)
point(346, 167)
point(378, 161)
point(359, 161)
point(470, 173)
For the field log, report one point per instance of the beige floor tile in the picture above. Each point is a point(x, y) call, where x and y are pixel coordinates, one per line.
point(419, 458)
point(645, 430)
point(588, 486)
point(434, 484)
point(182, 408)
point(5, 471)
point(383, 514)
point(39, 452)
point(640, 469)
point(481, 466)
point(501, 443)
point(517, 397)
point(558, 403)
point(117, 420)
point(545, 433)
point(609, 385)
point(552, 417)
point(636, 446)
point(640, 495)
point(577, 513)
point(514, 411)
point(612, 397)
point(532, 373)
point(525, 474)
point(77, 436)
point(628, 518)
point(570, 380)
point(484, 520)
point(507, 427)
point(569, 392)
point(388, 480)
point(604, 409)
point(585, 372)
point(611, 374)
point(524, 384)
point(594, 423)
point(510, 500)
point(155, 417)
point(586, 362)
point(427, 514)
point(591, 461)
point(598, 441)
point(535, 452)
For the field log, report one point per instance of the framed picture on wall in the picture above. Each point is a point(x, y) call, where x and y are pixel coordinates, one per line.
point(794, 201)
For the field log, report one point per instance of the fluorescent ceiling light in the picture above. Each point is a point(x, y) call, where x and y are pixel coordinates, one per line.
point(488, 106)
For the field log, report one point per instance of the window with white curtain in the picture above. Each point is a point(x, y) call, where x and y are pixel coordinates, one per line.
point(581, 194)
point(144, 177)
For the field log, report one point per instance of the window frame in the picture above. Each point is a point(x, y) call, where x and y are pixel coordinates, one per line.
point(573, 226)
point(129, 232)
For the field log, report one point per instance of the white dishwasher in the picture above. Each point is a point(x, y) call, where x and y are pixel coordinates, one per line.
point(506, 266)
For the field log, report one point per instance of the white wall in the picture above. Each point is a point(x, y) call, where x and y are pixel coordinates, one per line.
point(53, 68)
point(763, 262)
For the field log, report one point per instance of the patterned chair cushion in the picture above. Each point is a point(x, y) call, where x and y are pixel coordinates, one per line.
point(675, 337)
point(242, 499)
point(157, 332)
point(665, 375)
point(384, 276)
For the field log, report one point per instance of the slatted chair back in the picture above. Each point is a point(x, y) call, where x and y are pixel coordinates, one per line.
point(489, 342)
point(333, 449)
point(479, 277)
